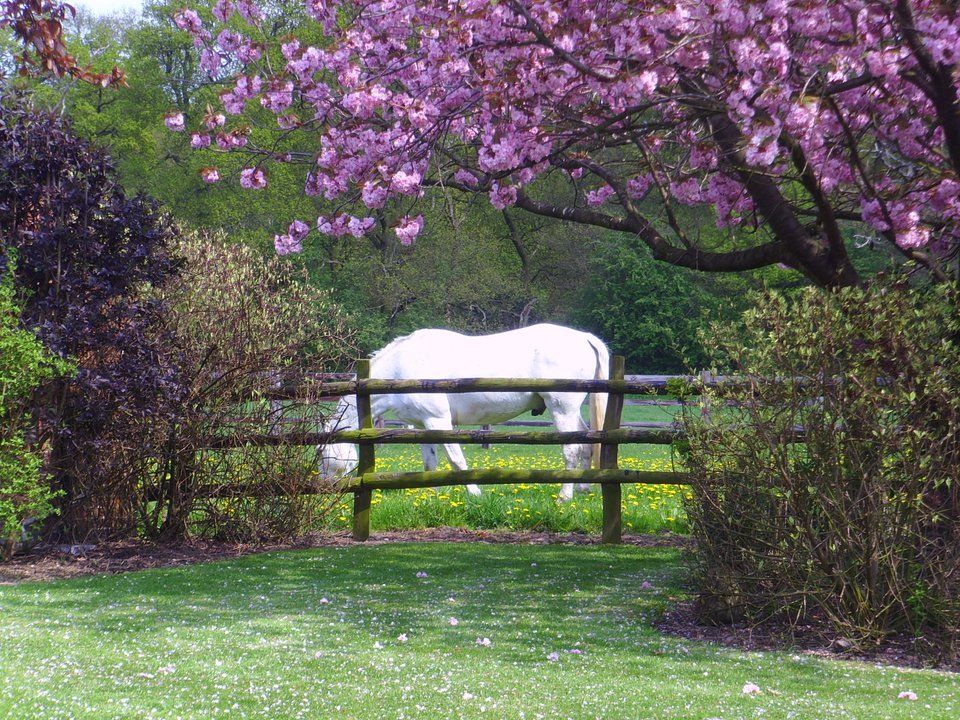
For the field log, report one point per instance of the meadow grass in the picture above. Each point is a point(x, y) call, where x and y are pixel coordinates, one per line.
point(646, 508)
point(366, 632)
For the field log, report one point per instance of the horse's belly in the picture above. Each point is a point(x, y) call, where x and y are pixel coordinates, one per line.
point(490, 408)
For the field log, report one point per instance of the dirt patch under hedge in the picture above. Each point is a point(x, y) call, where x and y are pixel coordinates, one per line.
point(811, 639)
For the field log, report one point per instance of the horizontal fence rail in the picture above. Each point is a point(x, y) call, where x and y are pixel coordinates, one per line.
point(334, 385)
point(498, 476)
point(483, 385)
point(656, 435)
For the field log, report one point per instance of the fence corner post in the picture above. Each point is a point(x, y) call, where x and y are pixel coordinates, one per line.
point(366, 461)
point(612, 492)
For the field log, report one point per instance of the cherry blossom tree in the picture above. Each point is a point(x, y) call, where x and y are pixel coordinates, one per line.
point(795, 123)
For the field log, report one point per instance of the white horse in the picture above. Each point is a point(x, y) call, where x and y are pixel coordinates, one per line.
point(538, 351)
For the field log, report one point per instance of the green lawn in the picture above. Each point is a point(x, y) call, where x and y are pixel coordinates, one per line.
point(647, 508)
point(320, 634)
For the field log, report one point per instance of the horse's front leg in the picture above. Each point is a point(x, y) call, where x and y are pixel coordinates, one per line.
point(430, 459)
point(452, 450)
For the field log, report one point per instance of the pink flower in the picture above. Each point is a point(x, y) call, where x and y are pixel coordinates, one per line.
point(453, 621)
point(484, 642)
point(465, 177)
point(223, 10)
point(214, 120)
point(285, 245)
point(358, 227)
point(373, 194)
point(405, 182)
point(253, 178)
point(175, 121)
point(210, 60)
point(209, 174)
point(646, 82)
point(907, 695)
point(298, 229)
point(407, 230)
point(341, 225)
point(278, 97)
point(597, 197)
point(502, 196)
point(637, 186)
point(199, 140)
point(188, 20)
point(751, 689)
point(553, 657)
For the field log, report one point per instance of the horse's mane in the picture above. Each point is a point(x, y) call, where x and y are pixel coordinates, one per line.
point(390, 347)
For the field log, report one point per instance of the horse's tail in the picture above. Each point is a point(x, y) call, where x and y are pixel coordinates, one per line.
point(598, 401)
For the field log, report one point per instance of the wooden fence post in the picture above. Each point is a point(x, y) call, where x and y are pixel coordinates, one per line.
point(612, 493)
point(366, 460)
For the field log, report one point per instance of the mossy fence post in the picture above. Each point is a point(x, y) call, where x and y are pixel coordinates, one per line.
point(611, 492)
point(366, 461)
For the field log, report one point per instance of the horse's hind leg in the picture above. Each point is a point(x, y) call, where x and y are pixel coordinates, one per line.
point(452, 450)
point(566, 418)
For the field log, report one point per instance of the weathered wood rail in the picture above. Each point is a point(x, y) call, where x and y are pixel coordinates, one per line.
point(291, 386)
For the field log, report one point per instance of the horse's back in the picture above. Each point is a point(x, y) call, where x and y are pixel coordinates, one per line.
point(538, 351)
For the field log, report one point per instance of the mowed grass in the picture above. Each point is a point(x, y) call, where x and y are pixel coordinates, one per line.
point(646, 508)
point(369, 632)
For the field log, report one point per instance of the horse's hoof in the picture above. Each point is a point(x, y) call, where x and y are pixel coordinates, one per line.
point(473, 490)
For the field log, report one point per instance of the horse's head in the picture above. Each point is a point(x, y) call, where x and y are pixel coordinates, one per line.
point(339, 459)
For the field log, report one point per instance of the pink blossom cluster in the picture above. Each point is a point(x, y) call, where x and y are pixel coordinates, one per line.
point(340, 225)
point(292, 240)
point(824, 110)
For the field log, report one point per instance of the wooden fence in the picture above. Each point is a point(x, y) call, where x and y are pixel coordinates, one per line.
point(608, 475)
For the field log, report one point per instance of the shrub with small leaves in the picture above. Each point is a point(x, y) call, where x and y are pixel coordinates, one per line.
point(825, 478)
point(240, 324)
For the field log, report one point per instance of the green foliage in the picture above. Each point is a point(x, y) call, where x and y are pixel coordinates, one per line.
point(648, 311)
point(237, 321)
point(857, 519)
point(24, 364)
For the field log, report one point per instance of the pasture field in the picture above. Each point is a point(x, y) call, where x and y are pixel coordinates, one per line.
point(403, 631)
point(646, 508)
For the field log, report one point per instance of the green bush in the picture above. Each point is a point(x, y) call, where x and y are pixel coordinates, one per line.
point(240, 324)
point(24, 364)
point(825, 478)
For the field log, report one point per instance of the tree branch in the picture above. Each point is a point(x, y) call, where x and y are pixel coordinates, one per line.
point(733, 261)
